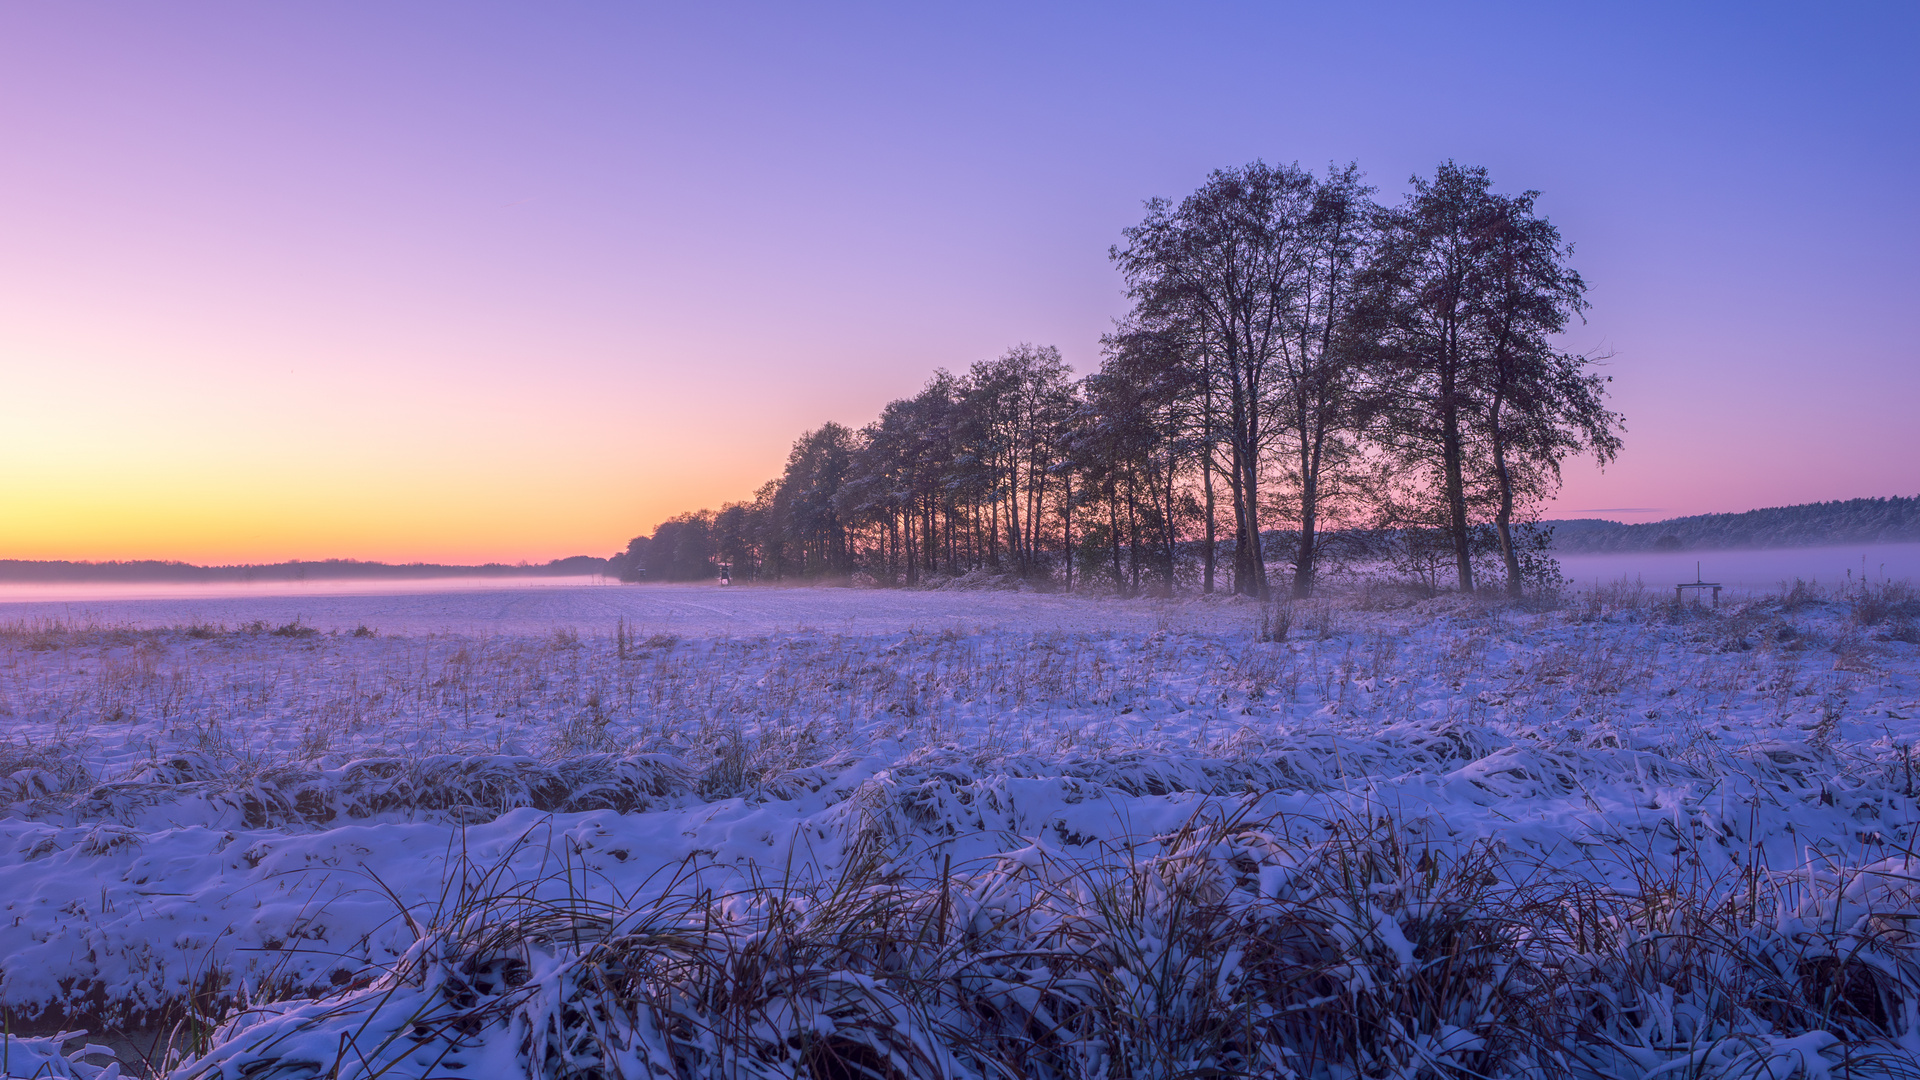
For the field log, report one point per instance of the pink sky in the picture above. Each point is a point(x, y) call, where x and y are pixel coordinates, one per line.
point(471, 281)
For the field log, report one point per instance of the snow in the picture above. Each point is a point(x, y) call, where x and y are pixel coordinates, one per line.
point(537, 606)
point(254, 817)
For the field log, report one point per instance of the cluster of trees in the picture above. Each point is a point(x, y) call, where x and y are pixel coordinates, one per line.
point(1300, 362)
point(1848, 521)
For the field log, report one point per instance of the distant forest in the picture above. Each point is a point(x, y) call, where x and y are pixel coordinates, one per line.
point(1304, 373)
point(19, 570)
point(1854, 521)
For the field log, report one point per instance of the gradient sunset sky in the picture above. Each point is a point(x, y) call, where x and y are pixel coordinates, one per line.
point(486, 281)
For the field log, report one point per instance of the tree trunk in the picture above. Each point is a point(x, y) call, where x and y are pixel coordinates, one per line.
point(993, 527)
point(1452, 454)
point(1249, 506)
point(1013, 518)
point(1503, 519)
point(1133, 536)
point(1240, 572)
point(930, 536)
point(1303, 559)
point(1036, 496)
point(1170, 530)
point(1066, 536)
point(1306, 560)
point(1206, 565)
point(912, 539)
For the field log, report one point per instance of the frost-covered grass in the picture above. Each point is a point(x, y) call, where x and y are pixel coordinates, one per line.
point(1613, 837)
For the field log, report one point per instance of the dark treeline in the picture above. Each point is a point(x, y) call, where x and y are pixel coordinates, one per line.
point(20, 570)
point(1852, 521)
point(1302, 369)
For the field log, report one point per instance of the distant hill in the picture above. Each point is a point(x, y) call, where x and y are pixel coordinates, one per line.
point(21, 570)
point(1853, 521)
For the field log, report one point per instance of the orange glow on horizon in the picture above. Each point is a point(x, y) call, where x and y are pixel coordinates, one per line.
point(108, 459)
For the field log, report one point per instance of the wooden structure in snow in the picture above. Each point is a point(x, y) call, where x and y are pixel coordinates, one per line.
point(1680, 590)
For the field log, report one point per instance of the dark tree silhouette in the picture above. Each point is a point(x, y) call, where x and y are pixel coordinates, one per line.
point(1224, 269)
point(1459, 308)
point(1323, 357)
point(1321, 368)
point(1540, 404)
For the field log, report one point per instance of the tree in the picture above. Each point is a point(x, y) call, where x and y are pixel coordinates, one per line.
point(739, 531)
point(1418, 314)
point(875, 493)
point(1015, 404)
point(682, 548)
point(1542, 404)
point(1459, 305)
point(631, 565)
point(807, 506)
point(1320, 368)
point(1146, 403)
point(938, 473)
point(1224, 270)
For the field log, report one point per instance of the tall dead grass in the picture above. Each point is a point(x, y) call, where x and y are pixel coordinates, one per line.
point(1228, 948)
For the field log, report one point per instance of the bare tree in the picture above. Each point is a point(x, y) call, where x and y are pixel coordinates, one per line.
point(1225, 268)
point(1420, 325)
point(1460, 303)
point(1016, 402)
point(1541, 404)
point(1319, 370)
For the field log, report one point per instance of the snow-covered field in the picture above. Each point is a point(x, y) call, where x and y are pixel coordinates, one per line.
point(593, 831)
point(489, 607)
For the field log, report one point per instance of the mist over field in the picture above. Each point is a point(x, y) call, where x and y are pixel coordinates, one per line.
point(1748, 569)
point(540, 605)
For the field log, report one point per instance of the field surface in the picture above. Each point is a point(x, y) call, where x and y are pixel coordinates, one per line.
point(486, 608)
point(589, 831)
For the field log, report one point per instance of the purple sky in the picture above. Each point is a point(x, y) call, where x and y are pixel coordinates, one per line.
point(454, 281)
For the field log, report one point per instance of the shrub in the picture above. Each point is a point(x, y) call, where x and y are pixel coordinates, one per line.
point(1893, 599)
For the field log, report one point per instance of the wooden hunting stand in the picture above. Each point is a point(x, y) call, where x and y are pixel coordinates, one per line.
point(1680, 589)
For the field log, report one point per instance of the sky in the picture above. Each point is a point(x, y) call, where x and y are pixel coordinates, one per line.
point(498, 281)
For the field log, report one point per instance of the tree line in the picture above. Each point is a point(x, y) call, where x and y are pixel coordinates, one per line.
point(1849, 521)
point(1305, 374)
